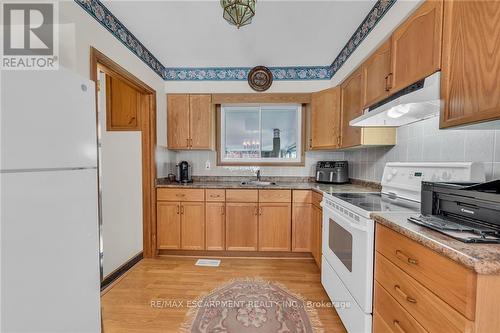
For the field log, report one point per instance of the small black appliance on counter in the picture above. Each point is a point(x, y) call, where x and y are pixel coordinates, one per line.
point(184, 173)
point(468, 212)
point(332, 172)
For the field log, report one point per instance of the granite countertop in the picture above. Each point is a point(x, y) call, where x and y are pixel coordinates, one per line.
point(482, 258)
point(280, 185)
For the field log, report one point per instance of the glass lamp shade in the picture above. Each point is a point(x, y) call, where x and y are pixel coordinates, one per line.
point(238, 12)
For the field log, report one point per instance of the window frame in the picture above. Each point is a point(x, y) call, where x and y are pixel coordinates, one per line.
point(262, 161)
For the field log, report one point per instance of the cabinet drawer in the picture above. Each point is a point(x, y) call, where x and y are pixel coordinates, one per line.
point(317, 198)
point(275, 196)
point(434, 314)
point(242, 195)
point(302, 196)
point(180, 194)
point(393, 314)
point(452, 282)
point(215, 195)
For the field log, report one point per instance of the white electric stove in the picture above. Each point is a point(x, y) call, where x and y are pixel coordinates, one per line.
point(348, 232)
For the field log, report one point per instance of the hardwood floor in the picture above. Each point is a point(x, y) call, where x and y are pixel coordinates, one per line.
point(126, 306)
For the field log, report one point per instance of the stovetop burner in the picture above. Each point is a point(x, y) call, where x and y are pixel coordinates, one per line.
point(464, 231)
point(378, 202)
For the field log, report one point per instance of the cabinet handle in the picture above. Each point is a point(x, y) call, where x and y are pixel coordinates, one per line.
point(260, 211)
point(178, 209)
point(182, 210)
point(190, 143)
point(388, 82)
point(310, 143)
point(404, 295)
point(256, 211)
point(180, 195)
point(221, 210)
point(187, 143)
point(398, 326)
point(403, 257)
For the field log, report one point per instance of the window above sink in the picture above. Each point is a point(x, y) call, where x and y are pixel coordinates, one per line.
point(260, 134)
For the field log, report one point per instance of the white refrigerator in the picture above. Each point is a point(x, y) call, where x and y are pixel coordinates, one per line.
point(50, 280)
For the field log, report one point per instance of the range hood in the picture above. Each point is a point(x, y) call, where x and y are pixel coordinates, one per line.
point(416, 102)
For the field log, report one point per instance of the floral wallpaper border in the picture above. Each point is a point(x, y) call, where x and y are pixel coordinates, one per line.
point(104, 16)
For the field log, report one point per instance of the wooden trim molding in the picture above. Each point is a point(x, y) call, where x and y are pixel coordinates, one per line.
point(298, 98)
point(99, 61)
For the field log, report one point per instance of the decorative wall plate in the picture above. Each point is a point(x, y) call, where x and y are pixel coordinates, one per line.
point(260, 78)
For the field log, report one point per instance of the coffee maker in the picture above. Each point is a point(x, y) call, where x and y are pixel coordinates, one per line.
point(184, 172)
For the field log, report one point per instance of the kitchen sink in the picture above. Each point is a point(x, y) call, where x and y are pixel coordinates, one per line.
point(257, 183)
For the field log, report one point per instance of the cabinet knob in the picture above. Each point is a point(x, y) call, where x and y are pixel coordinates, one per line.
point(398, 326)
point(403, 257)
point(404, 295)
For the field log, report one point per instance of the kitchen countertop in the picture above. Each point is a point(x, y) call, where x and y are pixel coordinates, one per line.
point(482, 258)
point(321, 188)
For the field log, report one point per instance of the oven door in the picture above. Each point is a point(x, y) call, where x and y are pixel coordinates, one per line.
point(348, 248)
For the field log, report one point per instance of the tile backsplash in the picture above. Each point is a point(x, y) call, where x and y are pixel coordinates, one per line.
point(424, 142)
point(198, 160)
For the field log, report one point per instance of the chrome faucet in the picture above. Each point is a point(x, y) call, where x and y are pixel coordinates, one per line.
point(258, 175)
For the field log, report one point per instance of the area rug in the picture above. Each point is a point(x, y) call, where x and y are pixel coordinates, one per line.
point(252, 306)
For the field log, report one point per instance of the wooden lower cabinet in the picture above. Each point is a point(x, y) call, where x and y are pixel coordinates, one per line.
point(274, 226)
point(302, 227)
point(241, 226)
point(192, 225)
point(316, 236)
point(168, 225)
point(215, 225)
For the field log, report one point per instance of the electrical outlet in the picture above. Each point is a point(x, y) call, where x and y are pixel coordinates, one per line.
point(207, 165)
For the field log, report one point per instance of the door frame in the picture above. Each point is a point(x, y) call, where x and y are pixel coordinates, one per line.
point(100, 62)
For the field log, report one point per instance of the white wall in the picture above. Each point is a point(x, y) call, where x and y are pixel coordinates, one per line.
point(424, 142)
point(79, 31)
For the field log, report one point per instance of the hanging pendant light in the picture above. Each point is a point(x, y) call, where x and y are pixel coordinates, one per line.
point(238, 12)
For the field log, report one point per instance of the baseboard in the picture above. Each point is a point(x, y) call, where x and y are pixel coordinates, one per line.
point(117, 273)
point(236, 254)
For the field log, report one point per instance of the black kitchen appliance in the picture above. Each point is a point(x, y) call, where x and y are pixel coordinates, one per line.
point(333, 172)
point(184, 172)
point(468, 212)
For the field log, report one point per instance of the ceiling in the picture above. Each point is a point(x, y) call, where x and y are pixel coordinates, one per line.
point(283, 33)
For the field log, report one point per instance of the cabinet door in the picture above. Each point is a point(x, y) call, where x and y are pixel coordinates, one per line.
point(275, 226)
point(376, 72)
point(192, 225)
point(241, 226)
point(122, 105)
point(200, 121)
point(302, 227)
point(168, 225)
point(416, 45)
point(317, 234)
point(215, 221)
point(178, 121)
point(325, 119)
point(470, 74)
point(351, 108)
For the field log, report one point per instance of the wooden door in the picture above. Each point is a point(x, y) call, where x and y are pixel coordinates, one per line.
point(178, 121)
point(325, 119)
point(192, 225)
point(351, 108)
point(200, 121)
point(241, 226)
point(215, 223)
point(470, 75)
point(168, 225)
point(123, 103)
point(376, 72)
point(302, 227)
point(275, 224)
point(416, 45)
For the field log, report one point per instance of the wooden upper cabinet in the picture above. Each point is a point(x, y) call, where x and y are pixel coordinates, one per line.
point(123, 104)
point(470, 75)
point(376, 74)
point(200, 121)
point(189, 121)
point(351, 108)
point(416, 45)
point(178, 121)
point(324, 129)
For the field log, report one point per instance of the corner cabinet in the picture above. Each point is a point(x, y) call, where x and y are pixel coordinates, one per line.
point(416, 46)
point(190, 122)
point(470, 75)
point(324, 131)
point(352, 107)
